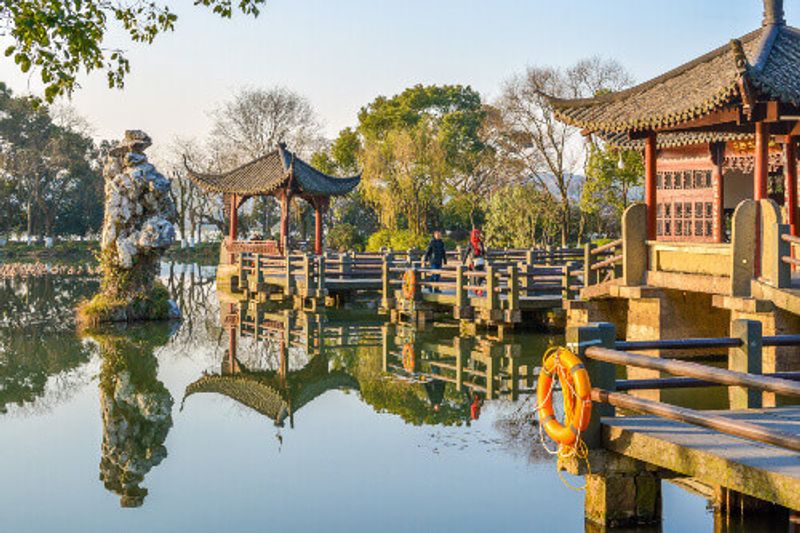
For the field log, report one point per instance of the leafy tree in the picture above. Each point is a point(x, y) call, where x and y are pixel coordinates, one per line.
point(545, 148)
point(410, 147)
point(62, 38)
point(612, 176)
point(520, 216)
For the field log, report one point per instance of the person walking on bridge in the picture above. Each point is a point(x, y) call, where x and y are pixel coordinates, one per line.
point(436, 257)
point(475, 258)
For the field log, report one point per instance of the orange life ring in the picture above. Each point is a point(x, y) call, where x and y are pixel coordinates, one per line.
point(409, 284)
point(409, 357)
point(576, 389)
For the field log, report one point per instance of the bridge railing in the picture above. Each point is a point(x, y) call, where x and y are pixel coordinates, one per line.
point(601, 354)
point(602, 263)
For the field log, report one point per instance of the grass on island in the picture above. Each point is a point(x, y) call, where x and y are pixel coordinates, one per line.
point(101, 308)
point(85, 253)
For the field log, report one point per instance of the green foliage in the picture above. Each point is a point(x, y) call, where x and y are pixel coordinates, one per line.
point(409, 146)
point(344, 237)
point(62, 38)
point(397, 240)
point(520, 216)
point(50, 179)
point(105, 307)
point(611, 176)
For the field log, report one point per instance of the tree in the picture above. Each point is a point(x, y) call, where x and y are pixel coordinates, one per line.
point(410, 147)
point(546, 149)
point(520, 216)
point(50, 170)
point(612, 175)
point(251, 125)
point(62, 38)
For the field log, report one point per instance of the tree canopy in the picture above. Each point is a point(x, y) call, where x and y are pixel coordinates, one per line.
point(62, 38)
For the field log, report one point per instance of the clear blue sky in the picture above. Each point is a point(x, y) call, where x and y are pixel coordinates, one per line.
point(343, 53)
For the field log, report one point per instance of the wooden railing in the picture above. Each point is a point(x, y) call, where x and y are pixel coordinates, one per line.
point(602, 263)
point(595, 344)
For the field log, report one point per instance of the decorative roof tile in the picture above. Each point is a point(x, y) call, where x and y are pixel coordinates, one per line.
point(769, 56)
point(263, 176)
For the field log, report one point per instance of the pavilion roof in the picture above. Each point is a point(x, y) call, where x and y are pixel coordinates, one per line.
point(768, 58)
point(277, 169)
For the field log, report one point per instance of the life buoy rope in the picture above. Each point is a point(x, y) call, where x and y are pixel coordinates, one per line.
point(409, 358)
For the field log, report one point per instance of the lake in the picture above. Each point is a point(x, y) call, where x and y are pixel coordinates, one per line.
point(246, 417)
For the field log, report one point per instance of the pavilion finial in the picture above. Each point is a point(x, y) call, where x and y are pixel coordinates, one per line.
point(773, 13)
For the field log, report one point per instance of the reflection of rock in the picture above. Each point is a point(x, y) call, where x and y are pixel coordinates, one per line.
point(137, 230)
point(136, 410)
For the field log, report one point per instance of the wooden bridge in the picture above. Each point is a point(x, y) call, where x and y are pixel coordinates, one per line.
point(514, 281)
point(747, 457)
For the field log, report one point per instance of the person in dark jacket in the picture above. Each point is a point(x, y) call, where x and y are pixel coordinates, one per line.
point(436, 256)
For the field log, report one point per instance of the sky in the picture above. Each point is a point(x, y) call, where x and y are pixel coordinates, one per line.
point(341, 54)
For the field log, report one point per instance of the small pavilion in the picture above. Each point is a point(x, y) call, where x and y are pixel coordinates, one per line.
point(718, 130)
point(280, 174)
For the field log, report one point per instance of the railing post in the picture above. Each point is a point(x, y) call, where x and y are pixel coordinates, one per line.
point(634, 245)
point(589, 275)
point(549, 259)
point(491, 284)
point(743, 248)
point(289, 276)
point(347, 264)
point(513, 289)
point(321, 291)
point(387, 301)
point(462, 294)
point(308, 275)
point(565, 282)
point(746, 358)
point(602, 375)
point(784, 250)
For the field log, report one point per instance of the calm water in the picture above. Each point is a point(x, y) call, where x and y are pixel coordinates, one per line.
point(296, 423)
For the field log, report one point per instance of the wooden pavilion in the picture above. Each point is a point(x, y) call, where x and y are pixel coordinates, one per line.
point(280, 174)
point(718, 130)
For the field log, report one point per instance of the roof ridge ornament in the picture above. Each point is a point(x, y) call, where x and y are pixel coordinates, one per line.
point(739, 57)
point(773, 13)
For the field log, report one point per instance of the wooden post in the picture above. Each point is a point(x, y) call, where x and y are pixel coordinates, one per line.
point(634, 245)
point(790, 152)
point(321, 291)
point(589, 275)
point(602, 375)
point(718, 182)
point(308, 275)
point(513, 289)
point(462, 294)
point(745, 358)
point(491, 284)
point(650, 176)
point(761, 170)
point(317, 228)
point(289, 276)
point(565, 282)
point(386, 287)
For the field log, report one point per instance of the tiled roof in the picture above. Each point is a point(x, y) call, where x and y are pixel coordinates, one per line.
point(769, 57)
point(266, 174)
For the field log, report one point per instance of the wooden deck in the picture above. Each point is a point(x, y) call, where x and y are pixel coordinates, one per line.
point(760, 470)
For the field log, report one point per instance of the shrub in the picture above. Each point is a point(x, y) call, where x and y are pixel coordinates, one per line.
point(397, 240)
point(344, 237)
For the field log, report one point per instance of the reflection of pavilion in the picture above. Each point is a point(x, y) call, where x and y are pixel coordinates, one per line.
point(280, 392)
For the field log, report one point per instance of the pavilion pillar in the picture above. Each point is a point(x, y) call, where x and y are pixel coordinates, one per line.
point(650, 155)
point(718, 158)
point(761, 170)
point(285, 202)
point(790, 170)
point(233, 224)
point(318, 228)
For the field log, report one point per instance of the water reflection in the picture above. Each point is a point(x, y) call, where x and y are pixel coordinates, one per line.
point(277, 360)
point(36, 338)
point(135, 406)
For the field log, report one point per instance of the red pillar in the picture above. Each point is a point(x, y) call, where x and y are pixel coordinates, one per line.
point(284, 244)
point(650, 183)
point(761, 171)
point(233, 229)
point(318, 228)
point(790, 152)
point(717, 175)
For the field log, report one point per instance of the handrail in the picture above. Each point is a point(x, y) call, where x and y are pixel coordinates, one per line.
point(606, 247)
point(694, 370)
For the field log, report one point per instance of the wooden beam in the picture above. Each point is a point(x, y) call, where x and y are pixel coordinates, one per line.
point(790, 171)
